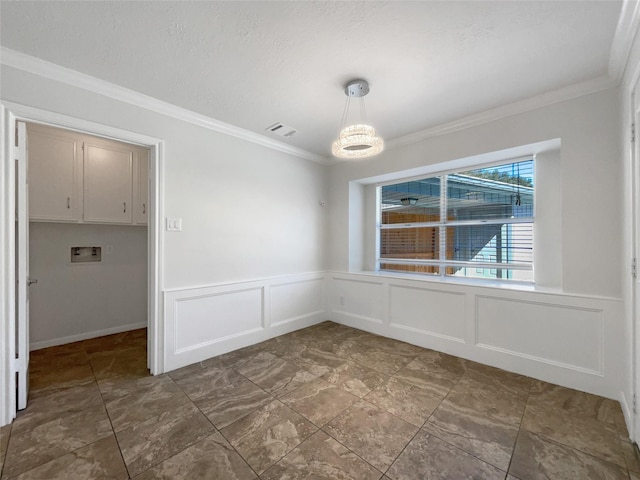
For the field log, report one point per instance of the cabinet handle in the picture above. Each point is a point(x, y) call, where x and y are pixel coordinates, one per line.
point(68, 202)
point(124, 210)
point(144, 208)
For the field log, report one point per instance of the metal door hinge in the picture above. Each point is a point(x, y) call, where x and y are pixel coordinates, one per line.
point(633, 132)
point(634, 268)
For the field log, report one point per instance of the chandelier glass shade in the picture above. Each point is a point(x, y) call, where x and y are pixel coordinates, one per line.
point(358, 140)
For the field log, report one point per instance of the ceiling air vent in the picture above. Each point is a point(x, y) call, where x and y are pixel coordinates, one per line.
point(281, 129)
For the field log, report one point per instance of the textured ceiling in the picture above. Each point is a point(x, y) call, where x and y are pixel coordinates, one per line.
point(252, 64)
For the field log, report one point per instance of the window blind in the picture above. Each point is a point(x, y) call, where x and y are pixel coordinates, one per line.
point(475, 223)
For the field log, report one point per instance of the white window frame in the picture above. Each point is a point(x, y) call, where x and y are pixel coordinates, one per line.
point(442, 225)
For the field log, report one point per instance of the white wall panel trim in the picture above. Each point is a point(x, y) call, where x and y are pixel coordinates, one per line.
point(217, 340)
point(251, 283)
point(358, 280)
point(300, 300)
point(359, 299)
point(203, 322)
point(427, 333)
point(564, 339)
point(429, 311)
point(358, 317)
point(540, 359)
point(426, 289)
point(299, 317)
point(567, 336)
point(242, 311)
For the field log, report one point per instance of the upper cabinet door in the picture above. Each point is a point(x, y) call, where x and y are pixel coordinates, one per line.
point(54, 171)
point(108, 175)
point(141, 189)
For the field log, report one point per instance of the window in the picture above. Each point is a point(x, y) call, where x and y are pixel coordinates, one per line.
point(476, 223)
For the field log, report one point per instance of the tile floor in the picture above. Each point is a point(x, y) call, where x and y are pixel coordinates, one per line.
point(326, 402)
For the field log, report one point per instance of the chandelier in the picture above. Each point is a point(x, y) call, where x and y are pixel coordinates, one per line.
point(358, 140)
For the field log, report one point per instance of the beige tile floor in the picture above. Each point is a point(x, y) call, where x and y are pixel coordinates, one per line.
point(326, 402)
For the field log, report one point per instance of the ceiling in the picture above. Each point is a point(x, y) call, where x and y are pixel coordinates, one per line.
point(252, 64)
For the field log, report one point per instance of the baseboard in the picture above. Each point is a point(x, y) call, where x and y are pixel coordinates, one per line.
point(86, 335)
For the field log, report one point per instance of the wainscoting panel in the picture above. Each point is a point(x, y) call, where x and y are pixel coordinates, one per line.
point(204, 322)
point(296, 300)
point(570, 340)
point(360, 299)
point(212, 317)
point(428, 311)
point(563, 335)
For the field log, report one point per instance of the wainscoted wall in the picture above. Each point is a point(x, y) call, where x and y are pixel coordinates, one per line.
point(208, 321)
point(564, 339)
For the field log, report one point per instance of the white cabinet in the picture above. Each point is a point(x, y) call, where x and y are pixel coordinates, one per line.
point(55, 175)
point(108, 183)
point(80, 178)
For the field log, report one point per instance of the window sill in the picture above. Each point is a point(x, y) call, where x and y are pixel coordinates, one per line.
point(480, 283)
point(470, 282)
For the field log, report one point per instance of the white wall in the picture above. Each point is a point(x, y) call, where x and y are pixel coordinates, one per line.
point(254, 236)
point(73, 301)
point(248, 211)
point(568, 329)
point(586, 191)
point(249, 214)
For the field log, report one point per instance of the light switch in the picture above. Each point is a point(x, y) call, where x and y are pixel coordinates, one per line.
point(174, 224)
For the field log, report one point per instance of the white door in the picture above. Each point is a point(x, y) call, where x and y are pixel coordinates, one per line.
point(635, 304)
point(22, 264)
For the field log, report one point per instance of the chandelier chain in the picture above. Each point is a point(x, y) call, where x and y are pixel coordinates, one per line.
point(345, 113)
point(363, 111)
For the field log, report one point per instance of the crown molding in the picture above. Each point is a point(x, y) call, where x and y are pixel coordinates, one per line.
point(626, 31)
point(58, 73)
point(511, 109)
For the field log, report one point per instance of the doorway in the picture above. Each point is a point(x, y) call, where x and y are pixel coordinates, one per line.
point(87, 220)
point(14, 356)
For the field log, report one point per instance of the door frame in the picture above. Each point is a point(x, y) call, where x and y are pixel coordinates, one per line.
point(634, 300)
point(10, 113)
